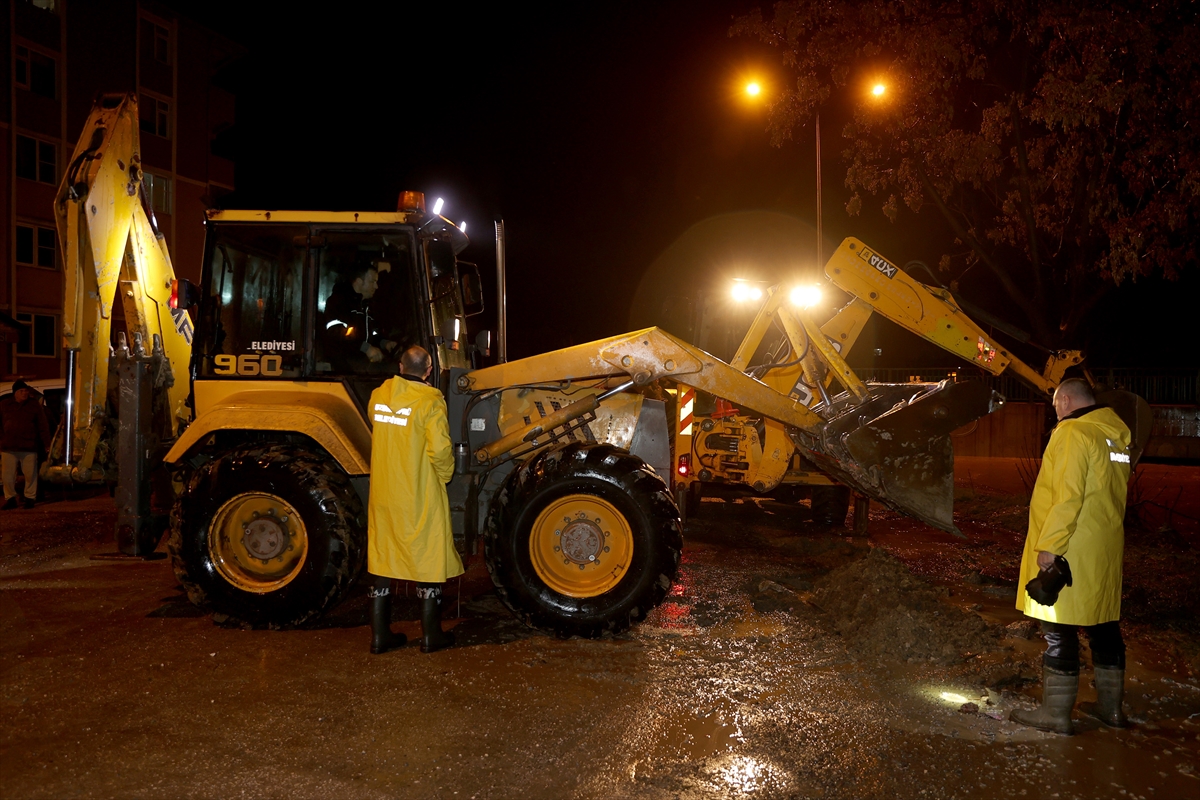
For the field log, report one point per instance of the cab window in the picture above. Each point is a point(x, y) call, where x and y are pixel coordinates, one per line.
point(253, 303)
point(367, 311)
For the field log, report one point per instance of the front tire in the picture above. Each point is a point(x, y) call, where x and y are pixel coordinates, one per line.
point(583, 541)
point(271, 535)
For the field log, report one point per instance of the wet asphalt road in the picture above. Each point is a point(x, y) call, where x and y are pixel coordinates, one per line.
point(114, 686)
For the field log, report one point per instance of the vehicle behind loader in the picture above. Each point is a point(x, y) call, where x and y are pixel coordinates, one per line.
point(729, 447)
point(262, 427)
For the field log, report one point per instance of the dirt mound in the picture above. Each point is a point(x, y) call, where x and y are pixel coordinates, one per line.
point(886, 612)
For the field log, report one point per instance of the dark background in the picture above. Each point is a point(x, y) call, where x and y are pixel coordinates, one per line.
point(615, 141)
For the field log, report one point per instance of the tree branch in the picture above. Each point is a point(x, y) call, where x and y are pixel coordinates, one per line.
point(1035, 259)
point(1010, 287)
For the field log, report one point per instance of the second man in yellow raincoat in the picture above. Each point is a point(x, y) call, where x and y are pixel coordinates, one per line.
point(1077, 511)
point(408, 516)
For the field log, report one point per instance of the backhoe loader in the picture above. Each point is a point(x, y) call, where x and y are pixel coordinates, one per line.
point(729, 448)
point(255, 432)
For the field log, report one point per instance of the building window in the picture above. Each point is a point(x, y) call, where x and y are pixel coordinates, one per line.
point(162, 44)
point(35, 71)
point(161, 191)
point(36, 246)
point(21, 68)
point(38, 335)
point(36, 160)
point(42, 71)
point(154, 115)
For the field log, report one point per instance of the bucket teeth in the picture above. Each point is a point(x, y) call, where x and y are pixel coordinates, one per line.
point(896, 447)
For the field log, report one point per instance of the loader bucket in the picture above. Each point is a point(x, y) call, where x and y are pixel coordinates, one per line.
point(896, 448)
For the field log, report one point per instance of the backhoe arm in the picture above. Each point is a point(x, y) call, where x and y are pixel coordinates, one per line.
point(933, 314)
point(110, 245)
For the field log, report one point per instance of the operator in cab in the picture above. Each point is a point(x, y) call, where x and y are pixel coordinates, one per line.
point(408, 515)
point(352, 342)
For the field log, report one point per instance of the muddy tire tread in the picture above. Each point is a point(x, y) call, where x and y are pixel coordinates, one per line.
point(323, 484)
point(576, 466)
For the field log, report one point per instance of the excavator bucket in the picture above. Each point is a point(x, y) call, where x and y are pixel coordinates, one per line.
point(896, 448)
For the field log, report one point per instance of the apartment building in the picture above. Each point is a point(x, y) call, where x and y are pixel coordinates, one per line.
point(57, 55)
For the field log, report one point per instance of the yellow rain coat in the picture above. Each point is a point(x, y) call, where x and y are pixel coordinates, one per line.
point(408, 516)
point(1077, 511)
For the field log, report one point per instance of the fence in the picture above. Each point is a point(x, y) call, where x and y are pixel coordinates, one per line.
point(1172, 386)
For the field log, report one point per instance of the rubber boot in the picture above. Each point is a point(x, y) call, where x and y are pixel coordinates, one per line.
point(1058, 698)
point(433, 638)
point(1110, 691)
point(382, 638)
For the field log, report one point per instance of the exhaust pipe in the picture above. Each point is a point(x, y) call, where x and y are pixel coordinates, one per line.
point(501, 298)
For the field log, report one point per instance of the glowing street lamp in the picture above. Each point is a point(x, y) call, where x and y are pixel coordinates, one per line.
point(879, 90)
point(753, 88)
point(744, 292)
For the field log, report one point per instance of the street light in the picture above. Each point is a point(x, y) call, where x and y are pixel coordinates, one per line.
point(879, 89)
point(743, 291)
point(753, 88)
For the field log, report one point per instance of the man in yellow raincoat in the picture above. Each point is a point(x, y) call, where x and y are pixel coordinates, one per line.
point(408, 516)
point(1077, 511)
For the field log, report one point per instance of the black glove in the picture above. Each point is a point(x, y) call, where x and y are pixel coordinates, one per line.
point(1049, 582)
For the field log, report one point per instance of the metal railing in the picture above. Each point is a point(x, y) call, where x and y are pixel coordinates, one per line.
point(1167, 386)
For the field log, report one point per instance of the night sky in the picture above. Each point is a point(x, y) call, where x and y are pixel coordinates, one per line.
point(614, 141)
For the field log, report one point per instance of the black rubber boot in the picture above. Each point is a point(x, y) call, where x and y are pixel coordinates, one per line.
point(382, 638)
point(1110, 691)
point(1058, 698)
point(433, 638)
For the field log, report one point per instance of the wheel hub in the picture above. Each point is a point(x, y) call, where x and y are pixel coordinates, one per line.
point(581, 545)
point(582, 539)
point(266, 537)
point(258, 542)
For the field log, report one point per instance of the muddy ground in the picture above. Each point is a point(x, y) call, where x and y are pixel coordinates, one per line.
point(789, 661)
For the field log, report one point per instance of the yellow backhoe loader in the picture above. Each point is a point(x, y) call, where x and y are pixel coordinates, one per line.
point(258, 435)
point(729, 448)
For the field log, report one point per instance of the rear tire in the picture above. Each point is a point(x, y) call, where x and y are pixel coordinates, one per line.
point(583, 541)
point(830, 504)
point(271, 535)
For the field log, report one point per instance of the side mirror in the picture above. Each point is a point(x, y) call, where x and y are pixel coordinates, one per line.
point(472, 289)
point(483, 342)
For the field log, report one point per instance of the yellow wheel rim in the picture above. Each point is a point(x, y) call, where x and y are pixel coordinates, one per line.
point(581, 545)
point(257, 542)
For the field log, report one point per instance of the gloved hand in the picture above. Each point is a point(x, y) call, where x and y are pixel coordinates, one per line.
point(1049, 582)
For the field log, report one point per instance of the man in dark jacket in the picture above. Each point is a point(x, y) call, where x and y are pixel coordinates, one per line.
point(26, 435)
point(352, 344)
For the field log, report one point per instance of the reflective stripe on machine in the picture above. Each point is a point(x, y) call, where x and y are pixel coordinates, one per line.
point(687, 399)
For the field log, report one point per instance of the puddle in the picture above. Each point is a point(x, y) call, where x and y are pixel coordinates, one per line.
point(704, 735)
point(751, 626)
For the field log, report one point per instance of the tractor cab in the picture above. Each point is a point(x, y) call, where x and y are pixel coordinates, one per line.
point(331, 296)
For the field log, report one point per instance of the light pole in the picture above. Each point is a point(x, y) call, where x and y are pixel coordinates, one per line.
point(820, 260)
point(878, 90)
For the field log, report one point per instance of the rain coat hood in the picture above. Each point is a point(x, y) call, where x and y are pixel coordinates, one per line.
point(1077, 511)
point(408, 516)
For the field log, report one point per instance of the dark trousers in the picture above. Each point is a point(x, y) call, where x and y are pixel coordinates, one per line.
point(1062, 646)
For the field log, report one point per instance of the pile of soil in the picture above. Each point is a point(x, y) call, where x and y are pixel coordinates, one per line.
point(886, 613)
